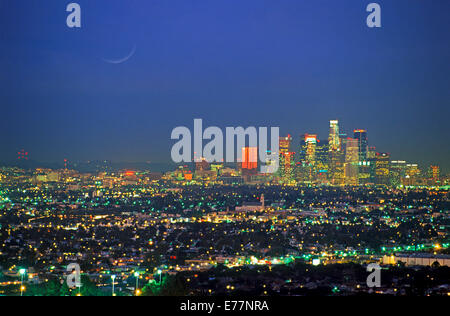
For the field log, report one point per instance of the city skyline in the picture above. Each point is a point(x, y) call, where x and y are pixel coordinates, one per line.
point(294, 145)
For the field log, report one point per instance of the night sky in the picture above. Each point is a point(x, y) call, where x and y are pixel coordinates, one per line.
point(289, 63)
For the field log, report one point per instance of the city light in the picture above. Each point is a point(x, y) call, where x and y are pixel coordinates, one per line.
point(237, 149)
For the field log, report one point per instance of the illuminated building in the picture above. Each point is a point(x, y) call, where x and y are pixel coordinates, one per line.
point(336, 148)
point(397, 172)
point(417, 259)
point(216, 166)
point(286, 158)
point(434, 174)
point(361, 136)
point(179, 173)
point(307, 156)
point(309, 149)
point(371, 152)
point(285, 144)
point(287, 166)
point(333, 138)
point(370, 164)
point(412, 174)
point(313, 159)
point(187, 176)
point(249, 158)
point(251, 206)
point(322, 156)
point(382, 168)
point(201, 165)
point(203, 171)
point(351, 162)
point(365, 172)
point(336, 159)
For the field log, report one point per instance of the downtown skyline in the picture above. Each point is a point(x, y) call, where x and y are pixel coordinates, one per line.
point(294, 146)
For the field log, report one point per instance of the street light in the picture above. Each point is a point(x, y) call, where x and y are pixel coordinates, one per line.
point(136, 274)
point(113, 277)
point(159, 272)
point(22, 273)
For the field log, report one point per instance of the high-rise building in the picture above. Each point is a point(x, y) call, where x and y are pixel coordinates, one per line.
point(286, 166)
point(285, 144)
point(397, 172)
point(307, 157)
point(336, 149)
point(412, 174)
point(249, 158)
point(434, 174)
point(382, 168)
point(361, 136)
point(366, 173)
point(286, 157)
point(309, 149)
point(333, 138)
point(351, 162)
point(322, 156)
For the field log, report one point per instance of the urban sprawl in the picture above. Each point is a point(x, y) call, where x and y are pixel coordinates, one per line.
point(333, 207)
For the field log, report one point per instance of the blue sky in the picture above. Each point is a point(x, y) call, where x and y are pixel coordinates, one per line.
point(294, 64)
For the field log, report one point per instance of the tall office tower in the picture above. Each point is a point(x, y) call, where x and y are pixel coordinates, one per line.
point(307, 156)
point(285, 144)
point(285, 158)
point(249, 158)
point(398, 172)
point(365, 172)
point(351, 162)
point(333, 138)
point(382, 168)
point(322, 156)
point(286, 166)
point(412, 174)
point(343, 141)
point(310, 143)
point(371, 162)
point(434, 174)
point(361, 136)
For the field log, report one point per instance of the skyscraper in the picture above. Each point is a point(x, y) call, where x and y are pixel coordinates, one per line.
point(322, 156)
point(361, 136)
point(434, 174)
point(382, 168)
point(310, 154)
point(397, 172)
point(249, 158)
point(285, 144)
point(286, 158)
point(351, 162)
point(333, 138)
point(286, 166)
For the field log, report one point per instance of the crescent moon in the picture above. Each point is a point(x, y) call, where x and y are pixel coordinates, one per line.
point(121, 60)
